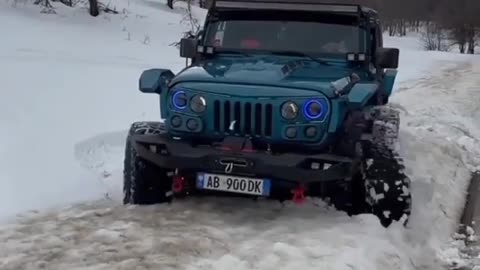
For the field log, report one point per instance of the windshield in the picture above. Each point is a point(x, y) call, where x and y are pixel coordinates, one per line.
point(314, 38)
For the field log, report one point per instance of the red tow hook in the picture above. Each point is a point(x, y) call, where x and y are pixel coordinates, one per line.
point(298, 195)
point(178, 184)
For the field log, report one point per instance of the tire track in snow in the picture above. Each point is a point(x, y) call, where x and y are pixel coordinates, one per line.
point(198, 234)
point(448, 103)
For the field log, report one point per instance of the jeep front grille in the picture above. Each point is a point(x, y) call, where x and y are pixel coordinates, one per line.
point(255, 119)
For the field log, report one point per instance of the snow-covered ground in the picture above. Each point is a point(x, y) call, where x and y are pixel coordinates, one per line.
point(65, 78)
point(68, 89)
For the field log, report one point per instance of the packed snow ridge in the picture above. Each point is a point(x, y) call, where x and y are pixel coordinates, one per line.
point(70, 88)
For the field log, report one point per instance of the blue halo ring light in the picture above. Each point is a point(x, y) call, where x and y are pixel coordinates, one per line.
point(178, 98)
point(322, 111)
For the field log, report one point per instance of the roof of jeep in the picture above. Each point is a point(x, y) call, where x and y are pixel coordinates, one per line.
point(294, 5)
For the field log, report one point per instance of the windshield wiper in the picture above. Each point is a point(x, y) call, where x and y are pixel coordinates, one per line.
point(232, 52)
point(294, 53)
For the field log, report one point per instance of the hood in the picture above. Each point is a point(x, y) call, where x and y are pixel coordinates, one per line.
point(289, 72)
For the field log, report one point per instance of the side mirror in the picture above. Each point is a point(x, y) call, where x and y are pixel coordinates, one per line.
point(387, 57)
point(188, 47)
point(154, 80)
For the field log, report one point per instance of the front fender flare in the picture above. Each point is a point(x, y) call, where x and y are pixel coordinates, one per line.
point(361, 94)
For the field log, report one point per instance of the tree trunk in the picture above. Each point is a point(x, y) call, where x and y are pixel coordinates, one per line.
point(471, 47)
point(403, 27)
point(471, 39)
point(94, 11)
point(391, 29)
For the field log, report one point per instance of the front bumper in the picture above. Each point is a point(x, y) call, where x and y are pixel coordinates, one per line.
point(176, 154)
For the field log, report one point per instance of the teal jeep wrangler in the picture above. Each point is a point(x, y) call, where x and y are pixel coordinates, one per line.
point(280, 99)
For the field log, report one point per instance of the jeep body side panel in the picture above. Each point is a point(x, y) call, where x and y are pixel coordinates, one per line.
point(389, 80)
point(339, 111)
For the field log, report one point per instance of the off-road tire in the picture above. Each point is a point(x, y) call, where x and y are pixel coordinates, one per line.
point(144, 182)
point(387, 187)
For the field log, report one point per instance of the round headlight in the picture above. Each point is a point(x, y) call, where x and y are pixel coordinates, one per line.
point(176, 121)
point(289, 110)
point(179, 100)
point(198, 104)
point(192, 124)
point(291, 132)
point(313, 109)
point(311, 132)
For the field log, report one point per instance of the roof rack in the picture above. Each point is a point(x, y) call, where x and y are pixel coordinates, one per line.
point(302, 5)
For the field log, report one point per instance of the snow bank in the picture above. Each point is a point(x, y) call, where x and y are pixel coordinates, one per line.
point(437, 93)
point(440, 140)
point(415, 63)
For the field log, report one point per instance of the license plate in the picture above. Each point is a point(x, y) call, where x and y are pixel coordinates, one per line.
point(236, 184)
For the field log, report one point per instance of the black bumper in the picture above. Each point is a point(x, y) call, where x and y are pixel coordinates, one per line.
point(169, 153)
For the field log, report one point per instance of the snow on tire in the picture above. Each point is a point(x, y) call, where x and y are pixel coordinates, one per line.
point(387, 186)
point(386, 124)
point(144, 182)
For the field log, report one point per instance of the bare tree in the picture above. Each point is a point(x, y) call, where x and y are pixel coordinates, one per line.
point(95, 7)
point(434, 38)
point(443, 23)
point(460, 19)
point(47, 6)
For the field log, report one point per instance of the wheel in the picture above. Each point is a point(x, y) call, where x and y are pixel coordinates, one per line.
point(387, 187)
point(143, 181)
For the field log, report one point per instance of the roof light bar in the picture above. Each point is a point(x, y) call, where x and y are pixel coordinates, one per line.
point(287, 6)
point(356, 57)
point(205, 49)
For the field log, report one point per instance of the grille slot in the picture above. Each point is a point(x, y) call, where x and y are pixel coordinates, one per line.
point(226, 115)
point(237, 116)
point(268, 119)
point(248, 118)
point(216, 115)
point(258, 119)
point(255, 119)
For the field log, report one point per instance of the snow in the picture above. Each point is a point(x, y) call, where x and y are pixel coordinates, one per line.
point(67, 77)
point(433, 136)
point(69, 93)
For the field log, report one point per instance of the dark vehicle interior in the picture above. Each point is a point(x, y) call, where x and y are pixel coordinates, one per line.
point(285, 31)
